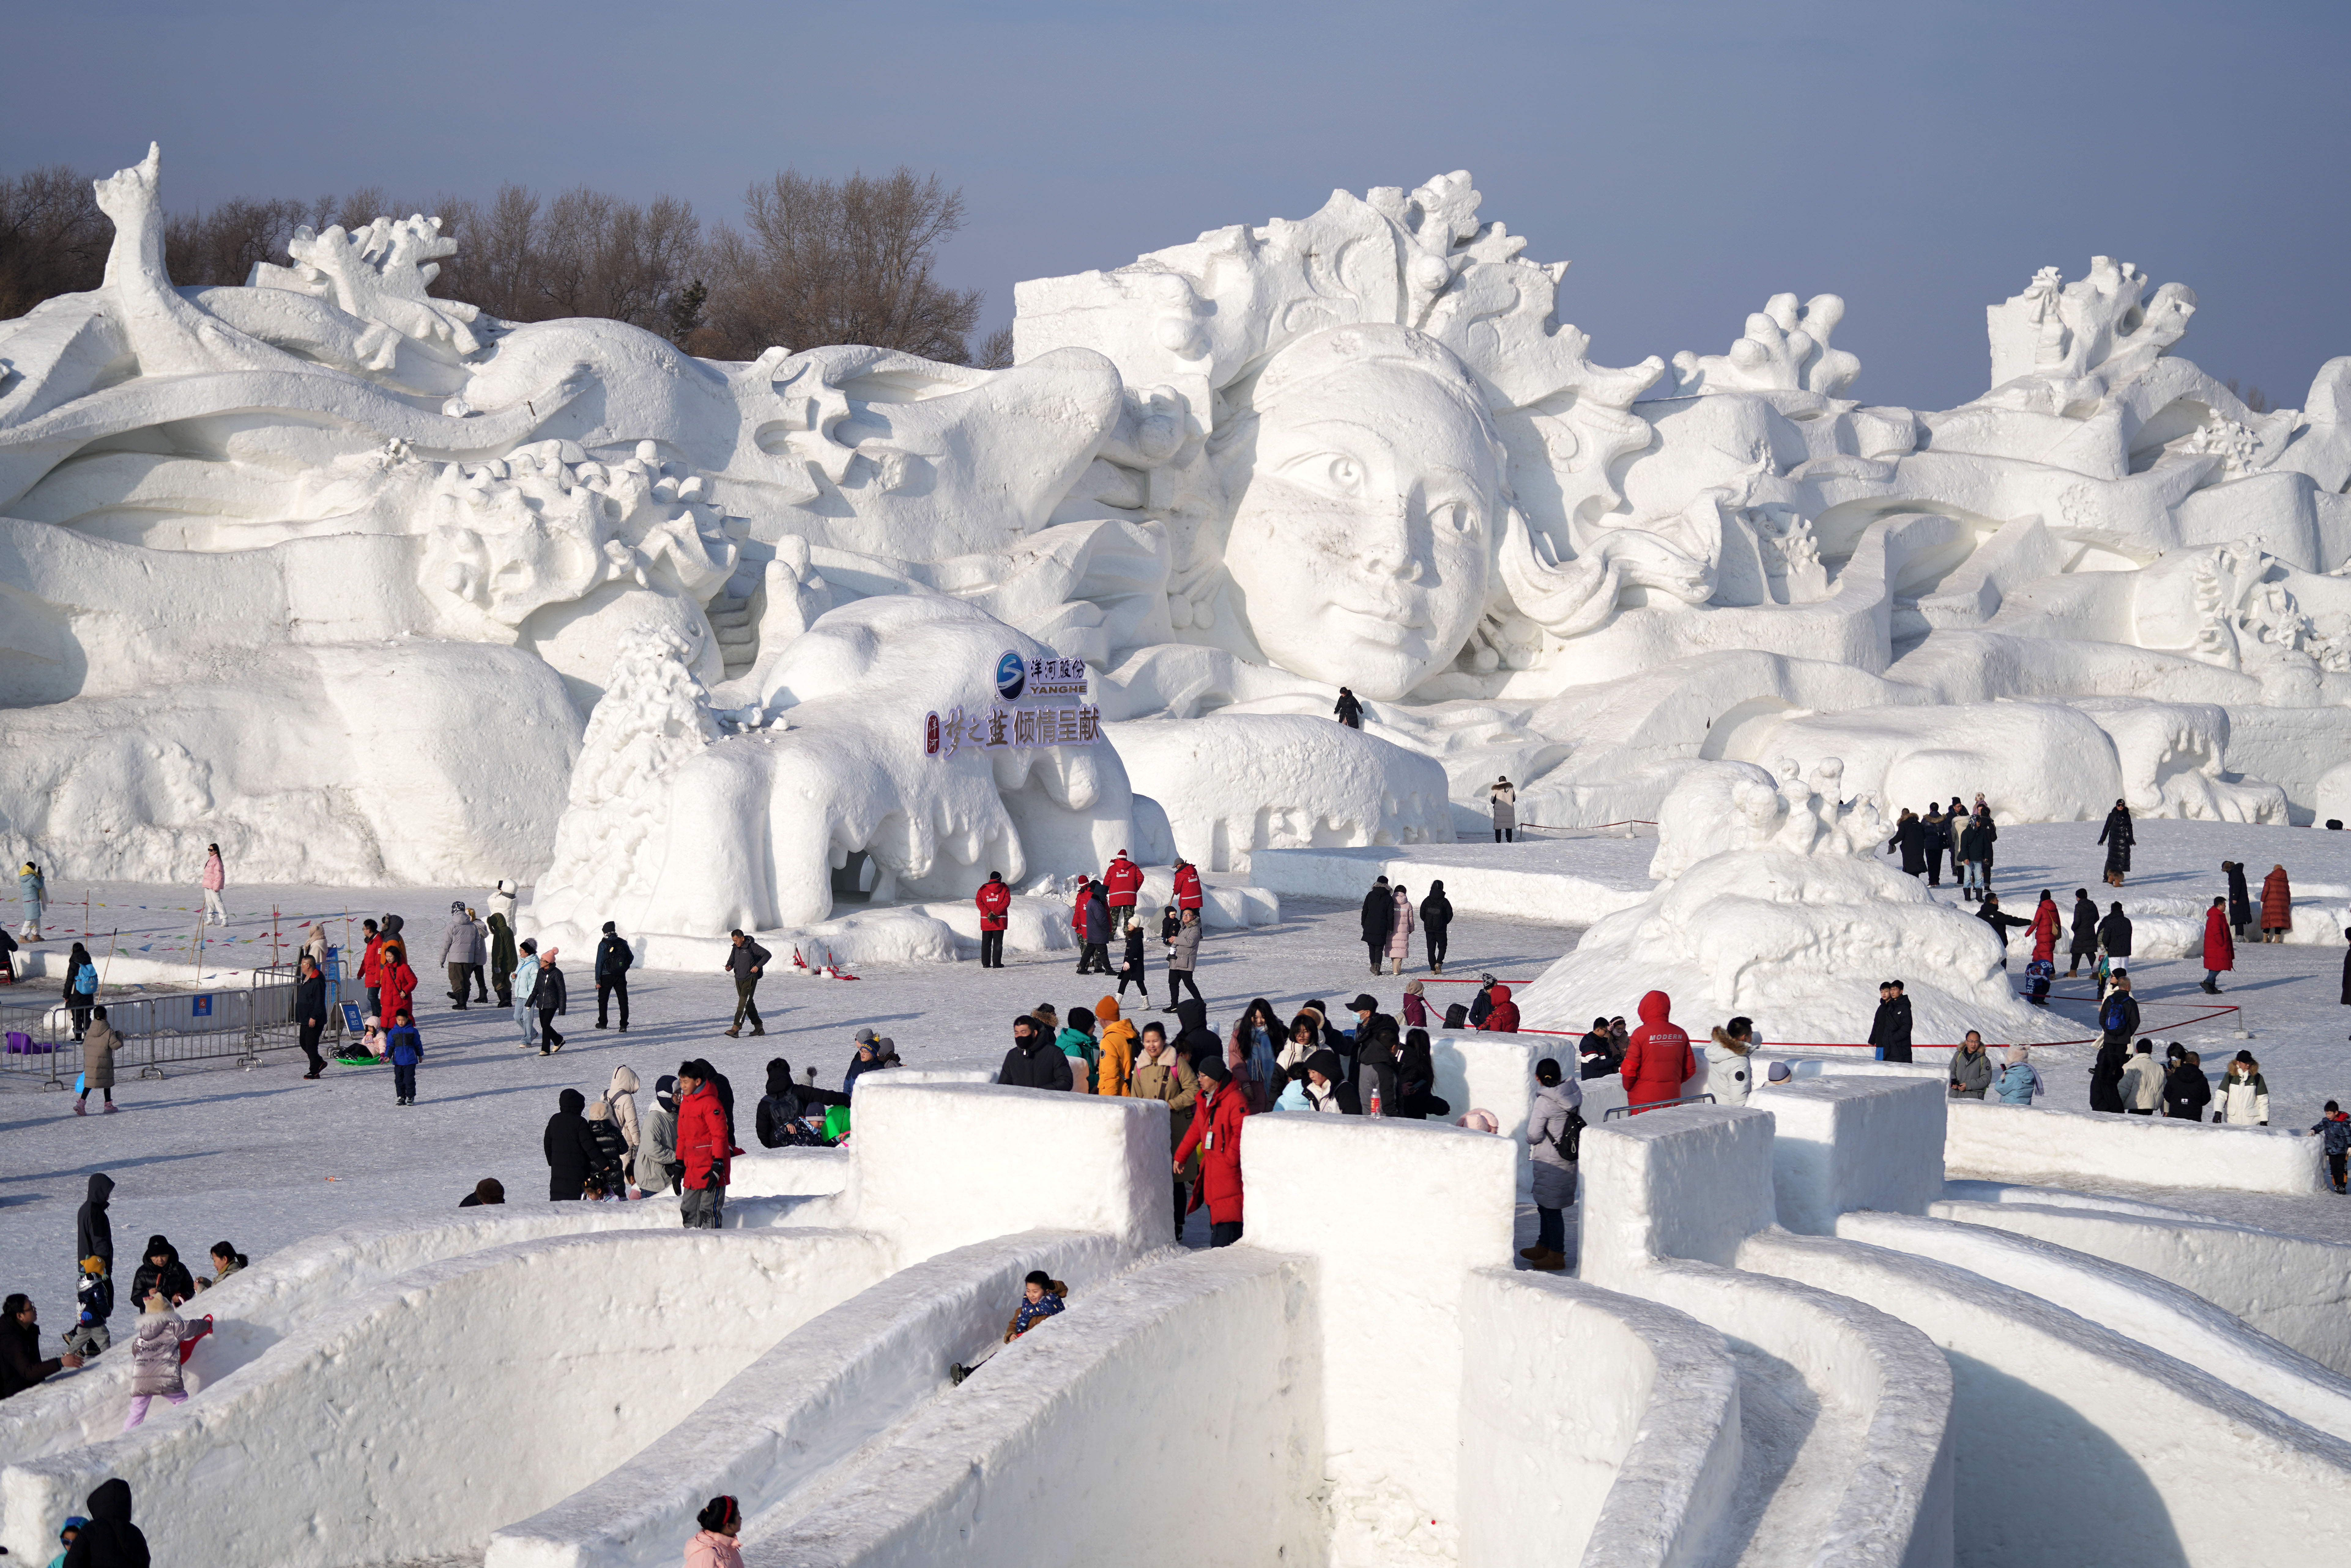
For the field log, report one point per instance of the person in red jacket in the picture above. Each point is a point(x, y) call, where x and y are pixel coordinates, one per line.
point(703, 1146)
point(1122, 879)
point(2045, 924)
point(1503, 1017)
point(1657, 1060)
point(994, 898)
point(1216, 1132)
point(395, 981)
point(2219, 944)
point(371, 967)
point(1187, 885)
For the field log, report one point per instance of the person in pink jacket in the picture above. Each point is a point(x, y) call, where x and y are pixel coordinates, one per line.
point(722, 1520)
point(216, 879)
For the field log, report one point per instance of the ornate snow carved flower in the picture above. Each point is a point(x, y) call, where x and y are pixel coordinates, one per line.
point(378, 274)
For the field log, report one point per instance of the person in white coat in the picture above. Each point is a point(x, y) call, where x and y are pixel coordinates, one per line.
point(2242, 1099)
point(1553, 1124)
point(2142, 1085)
point(1504, 796)
point(1729, 1076)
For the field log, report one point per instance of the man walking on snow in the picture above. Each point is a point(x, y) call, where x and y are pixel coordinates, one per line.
point(1122, 879)
point(747, 962)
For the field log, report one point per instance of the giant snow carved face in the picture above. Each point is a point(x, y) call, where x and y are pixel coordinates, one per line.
point(1366, 481)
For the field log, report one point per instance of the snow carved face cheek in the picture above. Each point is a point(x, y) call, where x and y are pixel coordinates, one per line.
point(1360, 538)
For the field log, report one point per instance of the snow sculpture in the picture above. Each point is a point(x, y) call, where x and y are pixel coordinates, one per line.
point(1358, 448)
point(1774, 905)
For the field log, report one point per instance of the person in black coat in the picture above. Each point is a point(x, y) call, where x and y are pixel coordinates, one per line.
point(21, 1363)
point(93, 1233)
point(571, 1148)
point(1975, 858)
point(1379, 919)
point(614, 959)
point(110, 1539)
point(2107, 1073)
point(2115, 933)
point(1415, 1070)
point(159, 1269)
point(1195, 1040)
point(1889, 1032)
point(1594, 1056)
point(2117, 837)
point(1347, 710)
point(1910, 838)
point(2186, 1090)
point(1093, 930)
point(310, 1015)
point(2241, 902)
point(1435, 918)
point(1937, 828)
point(2086, 933)
point(2000, 924)
point(1034, 1062)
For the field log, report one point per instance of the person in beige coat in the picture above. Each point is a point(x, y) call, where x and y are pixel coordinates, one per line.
point(99, 1044)
point(621, 1098)
point(1160, 1074)
point(2142, 1084)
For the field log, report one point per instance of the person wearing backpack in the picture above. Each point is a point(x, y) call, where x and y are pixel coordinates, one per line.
point(2118, 1013)
point(612, 960)
point(81, 988)
point(2117, 1021)
point(1553, 1130)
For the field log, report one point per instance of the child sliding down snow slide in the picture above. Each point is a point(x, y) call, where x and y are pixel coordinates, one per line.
point(1044, 1299)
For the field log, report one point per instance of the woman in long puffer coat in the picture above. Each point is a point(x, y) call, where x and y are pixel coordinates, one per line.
point(2220, 947)
point(1400, 932)
point(2277, 906)
point(1552, 1129)
point(2241, 902)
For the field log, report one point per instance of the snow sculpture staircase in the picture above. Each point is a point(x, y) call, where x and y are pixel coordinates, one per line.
point(733, 616)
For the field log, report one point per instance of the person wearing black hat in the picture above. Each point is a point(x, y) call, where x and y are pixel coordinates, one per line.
point(1379, 919)
point(658, 1166)
point(1215, 1133)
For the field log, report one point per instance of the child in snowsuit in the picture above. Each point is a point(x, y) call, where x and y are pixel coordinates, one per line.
point(2336, 1128)
point(94, 1294)
point(406, 1049)
point(156, 1354)
point(1043, 1297)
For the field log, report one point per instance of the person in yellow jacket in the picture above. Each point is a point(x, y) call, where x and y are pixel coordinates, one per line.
point(1114, 1071)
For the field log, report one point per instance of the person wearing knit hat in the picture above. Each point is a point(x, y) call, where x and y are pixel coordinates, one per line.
point(658, 1166)
point(2020, 1081)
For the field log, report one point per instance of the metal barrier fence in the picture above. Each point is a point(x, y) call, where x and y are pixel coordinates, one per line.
point(158, 1030)
point(1615, 1112)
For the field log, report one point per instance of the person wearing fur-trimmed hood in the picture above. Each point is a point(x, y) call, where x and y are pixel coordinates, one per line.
point(1729, 1074)
point(2243, 1100)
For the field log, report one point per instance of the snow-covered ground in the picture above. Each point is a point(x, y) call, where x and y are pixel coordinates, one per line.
point(262, 1158)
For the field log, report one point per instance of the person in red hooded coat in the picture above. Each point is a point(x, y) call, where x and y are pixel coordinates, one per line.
point(1657, 1060)
point(2219, 944)
point(1504, 1016)
point(1216, 1132)
point(2046, 923)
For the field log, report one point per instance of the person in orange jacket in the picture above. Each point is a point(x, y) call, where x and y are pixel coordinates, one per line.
point(1113, 1072)
point(1120, 880)
point(994, 898)
point(703, 1144)
point(1657, 1060)
point(1216, 1132)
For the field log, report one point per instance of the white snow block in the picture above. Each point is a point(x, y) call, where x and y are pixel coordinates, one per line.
point(825, 1390)
point(1496, 1072)
point(2136, 1305)
point(790, 1173)
point(1471, 886)
point(1689, 1182)
point(1842, 1144)
point(1168, 1419)
point(431, 1409)
point(944, 1165)
point(1395, 1215)
point(2295, 1288)
point(2010, 1143)
point(1595, 1428)
point(2080, 1446)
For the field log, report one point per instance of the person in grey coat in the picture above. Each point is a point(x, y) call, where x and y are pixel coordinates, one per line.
point(464, 951)
point(1551, 1128)
point(658, 1166)
point(1183, 957)
point(1970, 1069)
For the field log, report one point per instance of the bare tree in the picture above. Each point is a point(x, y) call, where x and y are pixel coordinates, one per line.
point(994, 350)
point(53, 238)
point(586, 254)
point(819, 262)
point(2254, 398)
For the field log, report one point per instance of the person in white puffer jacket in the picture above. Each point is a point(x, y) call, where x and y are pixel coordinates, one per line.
point(2242, 1098)
point(1729, 1074)
point(1553, 1125)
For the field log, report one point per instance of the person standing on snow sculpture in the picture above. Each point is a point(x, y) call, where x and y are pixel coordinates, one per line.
point(2243, 1099)
point(1889, 1030)
point(216, 879)
point(1122, 879)
point(2118, 836)
point(2220, 947)
point(613, 957)
point(1936, 829)
point(1553, 1127)
point(2241, 903)
point(705, 1145)
point(1504, 796)
point(994, 900)
point(1982, 813)
point(1183, 957)
point(1187, 885)
point(1989, 914)
point(1910, 838)
point(1657, 1060)
point(1730, 1075)
point(1400, 924)
point(33, 892)
point(1975, 858)
point(2277, 906)
point(2084, 940)
point(1216, 1134)
point(1435, 921)
point(747, 961)
point(1378, 917)
point(1347, 710)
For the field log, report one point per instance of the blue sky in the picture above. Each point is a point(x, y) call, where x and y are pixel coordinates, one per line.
point(1690, 159)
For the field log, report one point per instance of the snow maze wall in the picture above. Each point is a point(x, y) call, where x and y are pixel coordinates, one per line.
point(1790, 1342)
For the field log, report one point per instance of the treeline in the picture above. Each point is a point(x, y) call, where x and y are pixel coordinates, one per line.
point(814, 261)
